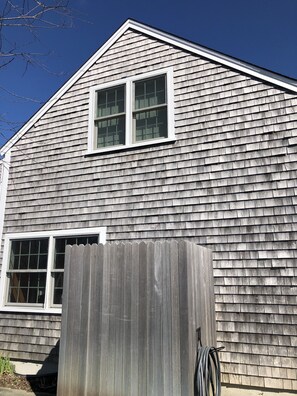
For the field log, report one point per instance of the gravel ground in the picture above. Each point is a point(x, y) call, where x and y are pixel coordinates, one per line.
point(42, 385)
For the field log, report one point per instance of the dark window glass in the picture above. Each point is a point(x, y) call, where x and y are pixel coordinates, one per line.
point(110, 118)
point(150, 109)
point(111, 132)
point(25, 285)
point(25, 245)
point(110, 101)
point(150, 93)
point(28, 269)
point(61, 245)
point(151, 124)
point(58, 287)
point(33, 262)
point(27, 288)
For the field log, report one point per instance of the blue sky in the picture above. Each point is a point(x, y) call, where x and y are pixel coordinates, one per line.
point(261, 32)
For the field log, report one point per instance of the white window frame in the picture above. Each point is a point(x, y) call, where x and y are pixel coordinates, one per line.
point(47, 307)
point(129, 95)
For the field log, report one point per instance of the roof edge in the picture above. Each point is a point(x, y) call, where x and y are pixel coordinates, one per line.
point(234, 63)
point(56, 96)
point(255, 71)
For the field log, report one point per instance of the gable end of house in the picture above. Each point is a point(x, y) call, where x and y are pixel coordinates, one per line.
point(191, 47)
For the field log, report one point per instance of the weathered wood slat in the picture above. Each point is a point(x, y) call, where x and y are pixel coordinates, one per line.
point(130, 316)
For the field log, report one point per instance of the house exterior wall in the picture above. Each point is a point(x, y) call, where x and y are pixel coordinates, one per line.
point(228, 182)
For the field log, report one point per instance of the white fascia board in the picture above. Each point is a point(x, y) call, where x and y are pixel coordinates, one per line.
point(5, 163)
point(215, 56)
point(165, 37)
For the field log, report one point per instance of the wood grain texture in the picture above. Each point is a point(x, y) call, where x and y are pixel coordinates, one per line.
point(130, 314)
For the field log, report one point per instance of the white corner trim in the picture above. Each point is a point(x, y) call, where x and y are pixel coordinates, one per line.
point(5, 164)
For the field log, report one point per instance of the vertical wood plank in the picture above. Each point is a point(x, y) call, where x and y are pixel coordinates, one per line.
point(128, 374)
point(175, 322)
point(183, 317)
point(95, 318)
point(135, 309)
point(104, 356)
point(143, 312)
point(129, 318)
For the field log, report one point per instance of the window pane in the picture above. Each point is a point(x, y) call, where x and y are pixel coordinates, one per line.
point(13, 295)
point(24, 261)
point(149, 93)
point(26, 287)
point(62, 242)
point(92, 239)
point(70, 241)
point(59, 260)
point(14, 261)
point(25, 247)
point(33, 295)
point(111, 132)
point(110, 101)
point(24, 279)
point(58, 287)
point(33, 261)
point(60, 245)
point(43, 245)
point(42, 264)
point(16, 247)
point(151, 124)
point(29, 254)
point(34, 248)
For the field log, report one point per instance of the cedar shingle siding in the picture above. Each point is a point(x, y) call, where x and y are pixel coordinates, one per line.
point(227, 183)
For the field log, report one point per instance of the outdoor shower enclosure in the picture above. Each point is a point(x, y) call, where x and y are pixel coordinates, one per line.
point(129, 320)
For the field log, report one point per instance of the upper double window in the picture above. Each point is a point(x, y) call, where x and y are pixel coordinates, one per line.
point(134, 111)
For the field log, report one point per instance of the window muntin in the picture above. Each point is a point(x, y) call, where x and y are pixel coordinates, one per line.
point(136, 111)
point(27, 271)
point(28, 268)
point(59, 260)
point(150, 92)
point(33, 268)
point(150, 109)
point(110, 117)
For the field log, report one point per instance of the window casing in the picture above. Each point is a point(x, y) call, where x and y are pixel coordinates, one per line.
point(33, 268)
point(133, 112)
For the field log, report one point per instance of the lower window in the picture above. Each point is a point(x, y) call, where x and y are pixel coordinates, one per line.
point(35, 266)
point(27, 271)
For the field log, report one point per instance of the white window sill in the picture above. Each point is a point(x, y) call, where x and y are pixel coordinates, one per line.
point(129, 147)
point(40, 310)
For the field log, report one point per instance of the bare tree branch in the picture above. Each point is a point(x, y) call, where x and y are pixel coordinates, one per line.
point(30, 16)
point(21, 22)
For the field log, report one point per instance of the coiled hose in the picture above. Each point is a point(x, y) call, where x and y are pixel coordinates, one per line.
point(207, 379)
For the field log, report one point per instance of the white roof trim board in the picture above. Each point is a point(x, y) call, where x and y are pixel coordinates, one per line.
point(247, 68)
